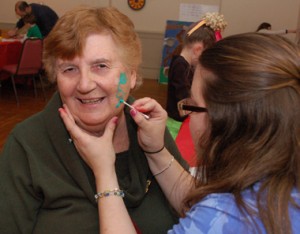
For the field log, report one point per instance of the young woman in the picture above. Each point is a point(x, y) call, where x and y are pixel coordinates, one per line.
point(245, 125)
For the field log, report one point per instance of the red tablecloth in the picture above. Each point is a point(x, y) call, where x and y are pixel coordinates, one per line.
point(10, 52)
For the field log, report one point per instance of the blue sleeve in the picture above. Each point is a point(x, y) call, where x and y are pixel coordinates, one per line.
point(201, 220)
point(212, 220)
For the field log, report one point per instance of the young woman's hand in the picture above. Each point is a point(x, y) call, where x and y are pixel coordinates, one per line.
point(150, 131)
point(97, 152)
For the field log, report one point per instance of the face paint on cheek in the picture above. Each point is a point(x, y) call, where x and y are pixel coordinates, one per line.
point(120, 92)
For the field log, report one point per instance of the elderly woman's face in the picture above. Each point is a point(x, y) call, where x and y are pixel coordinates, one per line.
point(93, 85)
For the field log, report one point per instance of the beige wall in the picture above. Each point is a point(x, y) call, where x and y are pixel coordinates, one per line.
point(242, 16)
point(7, 13)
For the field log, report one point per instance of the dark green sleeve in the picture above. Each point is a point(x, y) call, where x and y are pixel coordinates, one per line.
point(18, 202)
point(172, 147)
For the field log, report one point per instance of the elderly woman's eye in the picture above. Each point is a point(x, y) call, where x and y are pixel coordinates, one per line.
point(101, 66)
point(69, 69)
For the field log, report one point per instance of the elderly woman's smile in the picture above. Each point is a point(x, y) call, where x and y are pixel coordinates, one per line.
point(91, 101)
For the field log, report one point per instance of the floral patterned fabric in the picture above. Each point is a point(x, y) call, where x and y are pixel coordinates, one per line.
point(218, 213)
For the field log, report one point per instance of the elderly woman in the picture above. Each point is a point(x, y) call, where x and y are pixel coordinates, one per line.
point(244, 110)
point(93, 55)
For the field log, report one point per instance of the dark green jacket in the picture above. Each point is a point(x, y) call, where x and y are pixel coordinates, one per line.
point(45, 187)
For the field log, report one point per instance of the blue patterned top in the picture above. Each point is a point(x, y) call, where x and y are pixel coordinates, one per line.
point(218, 213)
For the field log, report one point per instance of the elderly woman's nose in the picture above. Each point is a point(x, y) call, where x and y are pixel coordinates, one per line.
point(86, 81)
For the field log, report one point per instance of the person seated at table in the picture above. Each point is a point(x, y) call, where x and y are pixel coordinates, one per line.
point(45, 16)
point(93, 54)
point(33, 30)
point(245, 125)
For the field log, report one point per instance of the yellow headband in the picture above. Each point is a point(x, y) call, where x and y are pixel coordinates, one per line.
point(196, 27)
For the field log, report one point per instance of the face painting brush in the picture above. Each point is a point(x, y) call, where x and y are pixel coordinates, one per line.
point(131, 107)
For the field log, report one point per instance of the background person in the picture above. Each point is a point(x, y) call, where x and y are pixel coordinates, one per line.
point(33, 30)
point(246, 130)
point(267, 29)
point(93, 54)
point(198, 37)
point(45, 17)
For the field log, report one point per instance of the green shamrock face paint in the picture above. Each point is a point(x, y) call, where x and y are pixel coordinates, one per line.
point(120, 92)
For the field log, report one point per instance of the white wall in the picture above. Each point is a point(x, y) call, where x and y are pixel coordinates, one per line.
point(7, 9)
point(246, 15)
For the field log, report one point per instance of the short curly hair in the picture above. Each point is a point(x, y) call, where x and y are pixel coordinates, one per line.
point(67, 39)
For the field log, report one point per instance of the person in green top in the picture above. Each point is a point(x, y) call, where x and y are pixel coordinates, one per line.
point(33, 29)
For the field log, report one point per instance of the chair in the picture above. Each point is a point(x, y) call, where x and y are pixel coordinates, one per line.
point(30, 63)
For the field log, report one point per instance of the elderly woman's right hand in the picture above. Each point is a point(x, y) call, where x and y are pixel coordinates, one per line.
point(97, 152)
point(151, 131)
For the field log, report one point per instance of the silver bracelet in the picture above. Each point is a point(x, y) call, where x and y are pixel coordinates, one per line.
point(106, 193)
point(166, 168)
